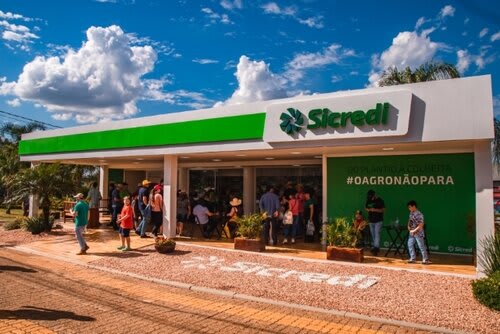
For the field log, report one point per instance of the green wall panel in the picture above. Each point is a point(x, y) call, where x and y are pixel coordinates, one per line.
point(442, 184)
point(232, 128)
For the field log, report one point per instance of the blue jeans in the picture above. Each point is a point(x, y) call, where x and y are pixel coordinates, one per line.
point(375, 232)
point(421, 245)
point(79, 236)
point(142, 226)
point(292, 227)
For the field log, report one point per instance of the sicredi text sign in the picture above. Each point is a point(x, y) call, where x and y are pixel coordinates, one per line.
point(347, 116)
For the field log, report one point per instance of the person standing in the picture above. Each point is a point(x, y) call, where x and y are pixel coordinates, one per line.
point(80, 212)
point(183, 211)
point(375, 207)
point(126, 224)
point(270, 204)
point(94, 197)
point(143, 200)
point(117, 204)
point(416, 233)
point(156, 201)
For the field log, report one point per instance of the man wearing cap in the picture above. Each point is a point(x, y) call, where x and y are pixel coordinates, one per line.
point(80, 211)
point(143, 198)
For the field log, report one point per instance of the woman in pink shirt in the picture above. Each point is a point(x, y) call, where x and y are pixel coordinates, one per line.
point(293, 206)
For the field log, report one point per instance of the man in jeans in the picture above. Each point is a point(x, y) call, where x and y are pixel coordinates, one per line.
point(375, 207)
point(270, 204)
point(143, 198)
point(416, 233)
point(80, 211)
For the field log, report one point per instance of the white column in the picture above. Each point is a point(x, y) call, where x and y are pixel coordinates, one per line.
point(103, 181)
point(34, 200)
point(169, 195)
point(183, 179)
point(484, 196)
point(248, 190)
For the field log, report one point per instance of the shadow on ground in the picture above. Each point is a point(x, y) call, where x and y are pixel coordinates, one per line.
point(17, 268)
point(38, 313)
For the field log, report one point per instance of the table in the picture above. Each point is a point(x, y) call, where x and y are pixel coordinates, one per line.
point(398, 235)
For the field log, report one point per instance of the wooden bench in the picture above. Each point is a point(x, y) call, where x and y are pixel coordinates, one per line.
point(66, 213)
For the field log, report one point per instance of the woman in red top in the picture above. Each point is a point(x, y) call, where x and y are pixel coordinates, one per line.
point(126, 221)
point(293, 206)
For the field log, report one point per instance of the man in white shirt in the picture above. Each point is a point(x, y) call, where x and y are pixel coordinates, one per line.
point(203, 215)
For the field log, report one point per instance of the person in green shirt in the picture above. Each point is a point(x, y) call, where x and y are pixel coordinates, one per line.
point(81, 213)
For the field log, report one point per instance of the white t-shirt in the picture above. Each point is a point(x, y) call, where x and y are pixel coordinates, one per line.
point(201, 212)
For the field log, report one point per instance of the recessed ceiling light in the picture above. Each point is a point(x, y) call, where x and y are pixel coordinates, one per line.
point(296, 165)
point(139, 159)
point(295, 152)
point(318, 156)
point(387, 148)
point(102, 160)
point(216, 160)
point(269, 158)
point(184, 157)
point(136, 162)
point(241, 155)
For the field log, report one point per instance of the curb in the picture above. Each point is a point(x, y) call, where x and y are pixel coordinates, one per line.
point(349, 264)
point(244, 297)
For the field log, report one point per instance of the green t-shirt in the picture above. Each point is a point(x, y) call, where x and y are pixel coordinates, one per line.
point(82, 212)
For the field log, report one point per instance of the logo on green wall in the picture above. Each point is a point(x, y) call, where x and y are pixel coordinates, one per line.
point(293, 121)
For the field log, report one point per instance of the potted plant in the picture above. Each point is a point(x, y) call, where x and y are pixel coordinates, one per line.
point(164, 245)
point(342, 239)
point(250, 230)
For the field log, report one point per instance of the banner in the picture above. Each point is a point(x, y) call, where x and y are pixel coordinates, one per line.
point(442, 185)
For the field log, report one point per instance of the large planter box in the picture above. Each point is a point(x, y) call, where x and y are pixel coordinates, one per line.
point(344, 254)
point(252, 245)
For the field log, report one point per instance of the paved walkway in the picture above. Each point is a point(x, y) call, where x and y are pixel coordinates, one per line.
point(42, 295)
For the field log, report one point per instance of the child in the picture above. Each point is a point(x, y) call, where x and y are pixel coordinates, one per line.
point(126, 221)
point(416, 233)
point(359, 224)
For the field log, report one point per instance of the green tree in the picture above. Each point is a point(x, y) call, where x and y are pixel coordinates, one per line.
point(426, 72)
point(496, 143)
point(44, 181)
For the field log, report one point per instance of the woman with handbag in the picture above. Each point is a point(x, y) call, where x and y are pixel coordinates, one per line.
point(291, 219)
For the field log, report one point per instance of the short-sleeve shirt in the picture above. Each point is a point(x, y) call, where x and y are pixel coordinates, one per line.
point(82, 213)
point(201, 212)
point(416, 218)
point(143, 191)
point(129, 221)
point(307, 209)
point(293, 204)
point(377, 203)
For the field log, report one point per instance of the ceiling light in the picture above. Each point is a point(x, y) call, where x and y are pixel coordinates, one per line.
point(184, 157)
point(139, 159)
point(295, 152)
point(387, 148)
point(102, 160)
point(318, 156)
point(241, 155)
point(136, 162)
point(296, 165)
point(269, 158)
point(216, 160)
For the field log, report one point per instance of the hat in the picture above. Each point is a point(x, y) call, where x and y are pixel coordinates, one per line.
point(79, 196)
point(157, 187)
point(235, 202)
point(145, 182)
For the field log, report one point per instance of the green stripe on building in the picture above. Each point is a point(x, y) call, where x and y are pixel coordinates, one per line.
point(223, 129)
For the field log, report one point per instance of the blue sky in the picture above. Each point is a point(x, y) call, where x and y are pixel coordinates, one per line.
point(84, 61)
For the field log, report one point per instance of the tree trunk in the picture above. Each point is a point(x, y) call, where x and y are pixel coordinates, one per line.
point(46, 216)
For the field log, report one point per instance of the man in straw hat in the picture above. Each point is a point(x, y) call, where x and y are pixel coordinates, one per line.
point(80, 211)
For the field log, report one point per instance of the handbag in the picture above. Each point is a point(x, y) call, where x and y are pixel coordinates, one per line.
point(288, 218)
point(310, 228)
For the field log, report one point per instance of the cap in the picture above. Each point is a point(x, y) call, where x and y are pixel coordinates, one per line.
point(145, 182)
point(79, 196)
point(157, 187)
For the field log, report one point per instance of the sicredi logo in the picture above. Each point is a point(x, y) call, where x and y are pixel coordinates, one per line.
point(293, 120)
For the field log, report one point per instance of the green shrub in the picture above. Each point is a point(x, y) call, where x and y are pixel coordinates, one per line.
point(250, 226)
point(13, 225)
point(340, 233)
point(35, 225)
point(487, 291)
point(490, 258)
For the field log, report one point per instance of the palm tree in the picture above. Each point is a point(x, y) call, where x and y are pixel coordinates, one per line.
point(426, 72)
point(11, 132)
point(45, 181)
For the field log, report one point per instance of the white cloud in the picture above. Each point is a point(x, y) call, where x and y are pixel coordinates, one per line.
point(483, 32)
point(273, 8)
point(447, 10)
point(12, 16)
point(216, 17)
point(105, 1)
point(332, 54)
point(354, 73)
point(463, 61)
point(408, 49)
point(100, 81)
point(420, 21)
point(495, 37)
point(204, 61)
point(256, 82)
point(336, 78)
point(19, 35)
point(230, 5)
point(14, 102)
point(313, 22)
point(466, 20)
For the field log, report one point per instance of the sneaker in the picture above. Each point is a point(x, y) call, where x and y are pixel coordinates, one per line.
point(137, 232)
point(285, 241)
point(82, 252)
point(293, 241)
point(145, 236)
point(87, 247)
point(120, 248)
point(426, 262)
point(126, 249)
point(410, 261)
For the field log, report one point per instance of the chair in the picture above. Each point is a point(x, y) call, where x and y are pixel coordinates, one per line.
point(67, 206)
